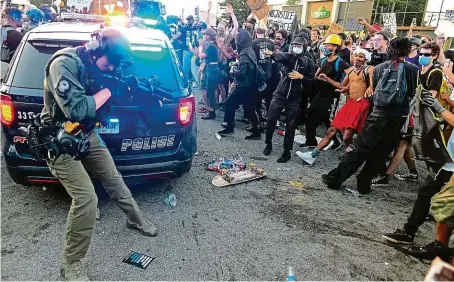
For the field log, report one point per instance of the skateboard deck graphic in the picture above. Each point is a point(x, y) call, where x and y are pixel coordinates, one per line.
point(236, 178)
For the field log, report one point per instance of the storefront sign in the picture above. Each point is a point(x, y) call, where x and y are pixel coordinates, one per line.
point(321, 13)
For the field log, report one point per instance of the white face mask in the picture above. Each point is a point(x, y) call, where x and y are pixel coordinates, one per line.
point(297, 50)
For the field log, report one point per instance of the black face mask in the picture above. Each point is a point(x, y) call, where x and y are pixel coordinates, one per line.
point(250, 30)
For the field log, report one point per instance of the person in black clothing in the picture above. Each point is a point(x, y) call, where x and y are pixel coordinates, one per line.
point(280, 40)
point(381, 131)
point(380, 42)
point(260, 46)
point(432, 184)
point(297, 71)
point(13, 37)
point(344, 52)
point(329, 78)
point(244, 73)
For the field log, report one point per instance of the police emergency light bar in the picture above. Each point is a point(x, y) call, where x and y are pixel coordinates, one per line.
point(113, 20)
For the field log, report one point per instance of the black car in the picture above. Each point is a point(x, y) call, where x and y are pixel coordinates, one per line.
point(145, 142)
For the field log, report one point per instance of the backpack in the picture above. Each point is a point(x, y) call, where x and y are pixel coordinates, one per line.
point(339, 77)
point(391, 89)
point(260, 77)
point(5, 51)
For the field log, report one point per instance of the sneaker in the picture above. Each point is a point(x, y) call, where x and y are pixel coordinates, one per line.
point(254, 136)
point(73, 271)
point(202, 111)
point(248, 128)
point(210, 115)
point(413, 177)
point(147, 229)
point(336, 145)
point(286, 156)
point(399, 237)
point(380, 181)
point(431, 251)
point(226, 132)
point(306, 157)
point(308, 145)
point(268, 149)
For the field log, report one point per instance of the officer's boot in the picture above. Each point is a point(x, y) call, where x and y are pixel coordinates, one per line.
point(73, 271)
point(146, 228)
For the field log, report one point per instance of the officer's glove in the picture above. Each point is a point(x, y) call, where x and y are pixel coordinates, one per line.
point(433, 103)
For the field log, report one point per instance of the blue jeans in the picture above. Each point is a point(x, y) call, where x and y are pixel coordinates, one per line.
point(212, 81)
point(187, 59)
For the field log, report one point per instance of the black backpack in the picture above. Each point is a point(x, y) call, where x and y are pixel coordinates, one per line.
point(392, 87)
point(260, 77)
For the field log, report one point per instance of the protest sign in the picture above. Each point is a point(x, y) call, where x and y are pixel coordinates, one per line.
point(446, 28)
point(334, 28)
point(79, 4)
point(449, 15)
point(389, 22)
point(283, 18)
point(259, 8)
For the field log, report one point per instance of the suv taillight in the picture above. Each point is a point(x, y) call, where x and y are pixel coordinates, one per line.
point(186, 110)
point(7, 111)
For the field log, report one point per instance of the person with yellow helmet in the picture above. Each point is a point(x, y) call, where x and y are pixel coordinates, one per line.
point(329, 77)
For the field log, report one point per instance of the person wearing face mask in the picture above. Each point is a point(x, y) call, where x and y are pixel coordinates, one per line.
point(329, 78)
point(272, 30)
point(413, 56)
point(380, 45)
point(298, 71)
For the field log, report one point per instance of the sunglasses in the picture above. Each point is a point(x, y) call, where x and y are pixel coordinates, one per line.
point(425, 54)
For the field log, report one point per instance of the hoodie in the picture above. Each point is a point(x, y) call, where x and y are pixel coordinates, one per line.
point(245, 76)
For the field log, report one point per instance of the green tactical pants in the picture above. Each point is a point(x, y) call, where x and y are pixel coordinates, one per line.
point(82, 214)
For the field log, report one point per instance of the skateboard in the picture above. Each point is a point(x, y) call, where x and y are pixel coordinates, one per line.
point(226, 178)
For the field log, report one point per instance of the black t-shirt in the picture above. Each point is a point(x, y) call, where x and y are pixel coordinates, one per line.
point(434, 81)
point(377, 58)
point(329, 68)
point(260, 45)
point(191, 32)
point(212, 53)
point(345, 55)
point(13, 39)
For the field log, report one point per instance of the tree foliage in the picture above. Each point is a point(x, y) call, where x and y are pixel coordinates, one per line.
point(292, 2)
point(405, 10)
point(240, 8)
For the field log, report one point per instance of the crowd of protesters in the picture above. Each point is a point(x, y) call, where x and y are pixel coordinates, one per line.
point(373, 95)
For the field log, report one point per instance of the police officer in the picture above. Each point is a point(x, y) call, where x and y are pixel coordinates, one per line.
point(65, 98)
point(298, 70)
point(35, 17)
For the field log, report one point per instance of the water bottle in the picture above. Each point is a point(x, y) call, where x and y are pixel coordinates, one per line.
point(291, 275)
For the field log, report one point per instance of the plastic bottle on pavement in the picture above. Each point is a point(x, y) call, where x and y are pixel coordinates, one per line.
point(171, 200)
point(291, 274)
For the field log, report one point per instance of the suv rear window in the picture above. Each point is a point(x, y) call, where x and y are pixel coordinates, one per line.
point(148, 61)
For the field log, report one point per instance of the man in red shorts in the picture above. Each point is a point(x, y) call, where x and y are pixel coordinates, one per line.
point(351, 117)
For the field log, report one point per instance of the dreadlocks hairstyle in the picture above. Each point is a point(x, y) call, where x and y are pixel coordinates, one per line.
point(398, 47)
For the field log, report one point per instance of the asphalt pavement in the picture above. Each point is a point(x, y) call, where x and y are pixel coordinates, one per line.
point(251, 231)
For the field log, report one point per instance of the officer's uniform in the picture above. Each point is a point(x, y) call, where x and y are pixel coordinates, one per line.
point(65, 99)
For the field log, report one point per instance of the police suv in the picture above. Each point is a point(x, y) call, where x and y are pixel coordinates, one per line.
point(145, 142)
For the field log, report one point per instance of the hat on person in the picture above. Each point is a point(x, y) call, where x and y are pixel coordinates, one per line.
point(386, 33)
point(190, 17)
point(364, 52)
point(210, 32)
point(333, 39)
point(377, 27)
point(299, 40)
point(415, 41)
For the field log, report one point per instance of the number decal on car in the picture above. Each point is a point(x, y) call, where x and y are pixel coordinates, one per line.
point(25, 115)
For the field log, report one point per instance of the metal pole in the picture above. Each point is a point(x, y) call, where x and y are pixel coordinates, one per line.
point(441, 9)
point(380, 20)
point(376, 11)
point(99, 7)
point(344, 21)
point(405, 12)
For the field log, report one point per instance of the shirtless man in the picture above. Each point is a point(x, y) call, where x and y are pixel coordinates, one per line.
point(351, 117)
